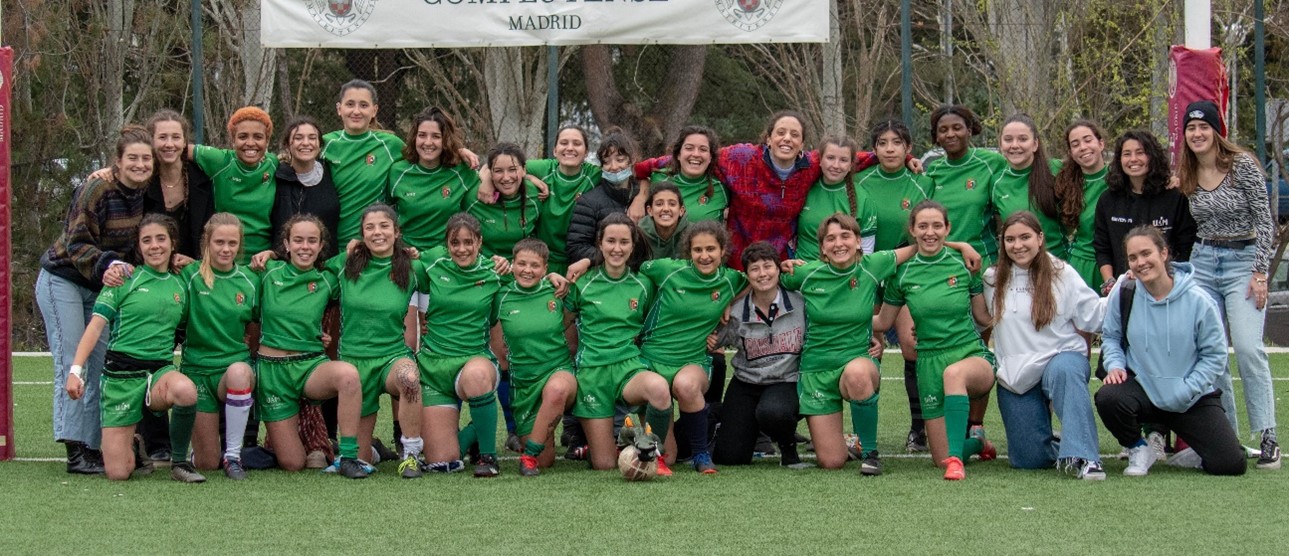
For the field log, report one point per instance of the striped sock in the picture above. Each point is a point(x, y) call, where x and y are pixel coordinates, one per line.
point(237, 411)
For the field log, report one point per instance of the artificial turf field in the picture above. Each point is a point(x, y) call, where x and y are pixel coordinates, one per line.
point(759, 509)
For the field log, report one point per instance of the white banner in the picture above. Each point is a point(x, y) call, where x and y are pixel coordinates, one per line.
point(475, 23)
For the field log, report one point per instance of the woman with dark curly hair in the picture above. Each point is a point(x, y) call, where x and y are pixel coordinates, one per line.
point(1137, 193)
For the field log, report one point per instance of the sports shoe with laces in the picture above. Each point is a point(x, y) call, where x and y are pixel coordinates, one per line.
point(233, 469)
point(513, 444)
point(916, 442)
point(528, 466)
point(577, 453)
point(953, 470)
point(1140, 458)
point(987, 450)
point(443, 466)
point(1270, 457)
point(1157, 445)
point(663, 470)
point(486, 466)
point(871, 464)
point(184, 473)
point(1089, 470)
point(702, 462)
point(351, 468)
point(315, 460)
point(410, 468)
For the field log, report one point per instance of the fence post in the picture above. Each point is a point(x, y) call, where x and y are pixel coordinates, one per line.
point(552, 98)
point(198, 103)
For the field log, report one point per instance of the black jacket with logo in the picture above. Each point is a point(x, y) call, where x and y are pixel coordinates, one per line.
point(1120, 211)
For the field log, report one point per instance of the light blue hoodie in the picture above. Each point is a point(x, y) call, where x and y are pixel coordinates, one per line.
point(1176, 346)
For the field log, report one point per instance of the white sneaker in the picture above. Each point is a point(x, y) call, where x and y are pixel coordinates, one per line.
point(1090, 471)
point(1187, 459)
point(1156, 443)
point(1140, 458)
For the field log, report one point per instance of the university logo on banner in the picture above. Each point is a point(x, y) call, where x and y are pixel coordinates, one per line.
point(749, 15)
point(340, 17)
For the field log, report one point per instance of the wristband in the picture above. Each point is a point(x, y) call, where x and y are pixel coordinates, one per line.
point(77, 371)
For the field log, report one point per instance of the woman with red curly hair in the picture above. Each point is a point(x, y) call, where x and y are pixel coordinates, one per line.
point(242, 177)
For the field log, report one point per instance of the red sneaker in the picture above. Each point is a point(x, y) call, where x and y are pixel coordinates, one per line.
point(953, 470)
point(528, 466)
point(987, 450)
point(663, 470)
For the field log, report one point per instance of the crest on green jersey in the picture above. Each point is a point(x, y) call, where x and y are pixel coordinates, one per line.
point(971, 184)
point(634, 303)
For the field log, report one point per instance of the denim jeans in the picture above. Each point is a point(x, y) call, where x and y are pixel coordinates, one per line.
point(67, 308)
point(1028, 422)
point(1224, 274)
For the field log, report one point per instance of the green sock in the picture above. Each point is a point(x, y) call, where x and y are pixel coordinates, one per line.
point(483, 411)
point(466, 437)
point(863, 416)
point(181, 422)
point(956, 409)
point(971, 447)
point(349, 447)
point(659, 421)
point(533, 449)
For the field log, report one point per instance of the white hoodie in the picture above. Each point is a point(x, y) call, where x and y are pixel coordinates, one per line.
point(1023, 352)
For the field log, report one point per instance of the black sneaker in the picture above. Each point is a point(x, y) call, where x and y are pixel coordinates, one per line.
point(383, 451)
point(486, 466)
point(472, 453)
point(233, 469)
point(351, 468)
point(1270, 457)
point(513, 444)
point(916, 442)
point(577, 453)
point(184, 473)
point(764, 446)
point(870, 465)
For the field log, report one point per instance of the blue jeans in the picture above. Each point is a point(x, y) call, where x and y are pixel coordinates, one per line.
point(67, 308)
point(1225, 274)
point(1028, 422)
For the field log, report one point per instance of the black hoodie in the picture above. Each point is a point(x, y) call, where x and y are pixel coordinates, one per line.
point(1120, 211)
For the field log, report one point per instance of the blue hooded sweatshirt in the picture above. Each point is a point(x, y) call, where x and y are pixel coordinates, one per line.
point(1176, 346)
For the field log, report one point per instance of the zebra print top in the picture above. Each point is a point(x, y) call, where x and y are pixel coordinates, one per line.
point(1237, 208)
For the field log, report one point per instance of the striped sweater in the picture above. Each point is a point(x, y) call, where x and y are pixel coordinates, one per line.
point(100, 228)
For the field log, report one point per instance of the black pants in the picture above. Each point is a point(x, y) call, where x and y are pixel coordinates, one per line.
point(749, 409)
point(1124, 407)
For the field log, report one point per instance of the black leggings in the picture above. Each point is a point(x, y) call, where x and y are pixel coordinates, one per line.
point(750, 409)
point(1124, 407)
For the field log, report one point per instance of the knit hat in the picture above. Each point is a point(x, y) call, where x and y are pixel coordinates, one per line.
point(252, 114)
point(1205, 111)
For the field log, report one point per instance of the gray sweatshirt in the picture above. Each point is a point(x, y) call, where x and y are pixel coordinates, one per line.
point(768, 353)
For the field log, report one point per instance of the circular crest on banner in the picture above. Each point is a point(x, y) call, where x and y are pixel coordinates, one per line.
point(340, 17)
point(749, 15)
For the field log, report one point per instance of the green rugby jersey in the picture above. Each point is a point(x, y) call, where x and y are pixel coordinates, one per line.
point(1081, 240)
point(217, 315)
point(839, 308)
point(460, 312)
point(699, 206)
point(610, 315)
point(532, 322)
point(1011, 195)
point(144, 313)
point(964, 187)
point(245, 191)
point(687, 307)
point(291, 305)
point(938, 290)
point(507, 221)
point(893, 196)
point(824, 200)
point(360, 165)
point(426, 197)
point(557, 210)
point(372, 307)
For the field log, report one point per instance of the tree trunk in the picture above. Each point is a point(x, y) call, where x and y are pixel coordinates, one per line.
point(259, 65)
point(654, 125)
point(830, 86)
point(515, 78)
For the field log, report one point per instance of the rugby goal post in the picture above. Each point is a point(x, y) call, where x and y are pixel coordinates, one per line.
point(6, 261)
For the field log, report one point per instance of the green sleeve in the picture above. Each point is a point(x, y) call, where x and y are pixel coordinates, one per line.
point(893, 295)
point(210, 159)
point(109, 300)
point(793, 281)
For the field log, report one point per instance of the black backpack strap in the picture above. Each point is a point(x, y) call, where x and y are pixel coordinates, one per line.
point(1126, 293)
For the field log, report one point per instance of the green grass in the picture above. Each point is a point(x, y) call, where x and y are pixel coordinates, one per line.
point(569, 510)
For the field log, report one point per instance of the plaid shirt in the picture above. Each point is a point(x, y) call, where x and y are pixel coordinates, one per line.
point(763, 207)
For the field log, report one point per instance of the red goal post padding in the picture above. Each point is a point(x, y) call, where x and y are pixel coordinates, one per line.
point(6, 276)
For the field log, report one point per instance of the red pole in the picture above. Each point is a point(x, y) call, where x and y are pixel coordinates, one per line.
point(6, 277)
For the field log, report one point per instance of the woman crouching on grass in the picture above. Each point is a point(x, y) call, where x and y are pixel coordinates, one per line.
point(953, 365)
point(143, 312)
point(1041, 308)
point(541, 371)
point(1165, 366)
point(610, 302)
point(292, 368)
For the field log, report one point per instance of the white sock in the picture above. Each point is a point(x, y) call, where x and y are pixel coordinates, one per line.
point(412, 446)
point(237, 411)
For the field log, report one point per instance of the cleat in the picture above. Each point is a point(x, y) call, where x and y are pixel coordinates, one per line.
point(444, 466)
point(383, 453)
point(987, 450)
point(953, 470)
point(410, 468)
point(233, 469)
point(486, 466)
point(528, 466)
point(513, 444)
point(577, 453)
point(870, 465)
point(702, 462)
point(352, 468)
point(315, 460)
point(184, 473)
point(916, 442)
point(663, 470)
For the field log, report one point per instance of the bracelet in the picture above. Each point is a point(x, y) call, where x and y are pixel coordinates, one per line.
point(77, 371)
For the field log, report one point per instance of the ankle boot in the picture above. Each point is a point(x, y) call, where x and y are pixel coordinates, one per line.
point(82, 460)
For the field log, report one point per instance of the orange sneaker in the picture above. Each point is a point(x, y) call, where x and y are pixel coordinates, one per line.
point(663, 470)
point(953, 470)
point(987, 450)
point(528, 466)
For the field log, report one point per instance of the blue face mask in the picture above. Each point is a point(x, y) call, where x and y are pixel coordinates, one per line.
point(616, 178)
